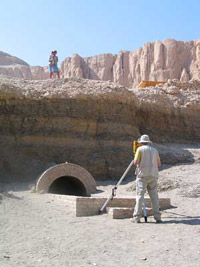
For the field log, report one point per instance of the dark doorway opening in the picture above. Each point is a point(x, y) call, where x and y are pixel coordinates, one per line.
point(68, 185)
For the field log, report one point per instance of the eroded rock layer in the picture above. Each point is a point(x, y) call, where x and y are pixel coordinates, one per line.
point(90, 123)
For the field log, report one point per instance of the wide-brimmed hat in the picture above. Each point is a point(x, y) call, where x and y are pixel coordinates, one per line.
point(144, 139)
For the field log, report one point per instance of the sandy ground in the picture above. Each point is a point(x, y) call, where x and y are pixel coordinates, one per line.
point(40, 230)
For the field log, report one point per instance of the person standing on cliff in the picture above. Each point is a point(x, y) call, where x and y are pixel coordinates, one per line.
point(53, 64)
point(147, 161)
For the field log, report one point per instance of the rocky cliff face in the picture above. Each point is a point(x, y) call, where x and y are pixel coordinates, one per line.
point(161, 61)
point(90, 123)
point(39, 73)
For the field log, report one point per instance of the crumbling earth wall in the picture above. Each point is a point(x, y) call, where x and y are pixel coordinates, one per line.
point(89, 123)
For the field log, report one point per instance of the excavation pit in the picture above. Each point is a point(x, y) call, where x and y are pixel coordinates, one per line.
point(66, 179)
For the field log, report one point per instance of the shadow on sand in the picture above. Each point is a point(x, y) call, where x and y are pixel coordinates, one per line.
point(11, 195)
point(187, 220)
point(4, 192)
point(182, 219)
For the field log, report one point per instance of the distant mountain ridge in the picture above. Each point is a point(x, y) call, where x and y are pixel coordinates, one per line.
point(7, 59)
point(14, 67)
point(169, 59)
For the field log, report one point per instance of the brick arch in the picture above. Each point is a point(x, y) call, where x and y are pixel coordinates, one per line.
point(66, 170)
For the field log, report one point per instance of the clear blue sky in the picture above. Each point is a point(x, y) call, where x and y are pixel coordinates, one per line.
point(31, 29)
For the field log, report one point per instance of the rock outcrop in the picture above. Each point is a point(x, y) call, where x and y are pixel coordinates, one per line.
point(14, 67)
point(161, 61)
point(90, 123)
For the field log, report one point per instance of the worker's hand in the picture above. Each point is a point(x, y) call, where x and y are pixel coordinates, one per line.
point(136, 162)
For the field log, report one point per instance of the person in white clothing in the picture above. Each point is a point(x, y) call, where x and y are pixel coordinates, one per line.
point(147, 161)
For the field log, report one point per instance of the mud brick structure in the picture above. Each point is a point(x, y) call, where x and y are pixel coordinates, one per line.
point(68, 179)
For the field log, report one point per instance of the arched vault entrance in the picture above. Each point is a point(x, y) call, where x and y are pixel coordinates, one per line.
point(66, 179)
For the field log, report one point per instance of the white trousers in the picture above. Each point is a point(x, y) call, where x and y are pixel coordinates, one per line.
point(148, 183)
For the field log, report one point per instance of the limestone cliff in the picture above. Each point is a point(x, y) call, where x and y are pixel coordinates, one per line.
point(14, 67)
point(39, 73)
point(169, 59)
point(161, 61)
point(90, 123)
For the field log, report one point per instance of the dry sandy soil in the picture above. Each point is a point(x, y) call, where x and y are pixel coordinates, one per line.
point(39, 230)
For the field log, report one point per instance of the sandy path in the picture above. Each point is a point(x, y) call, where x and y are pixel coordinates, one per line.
point(40, 230)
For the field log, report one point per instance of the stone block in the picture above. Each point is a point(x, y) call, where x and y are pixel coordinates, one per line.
point(124, 213)
point(88, 206)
